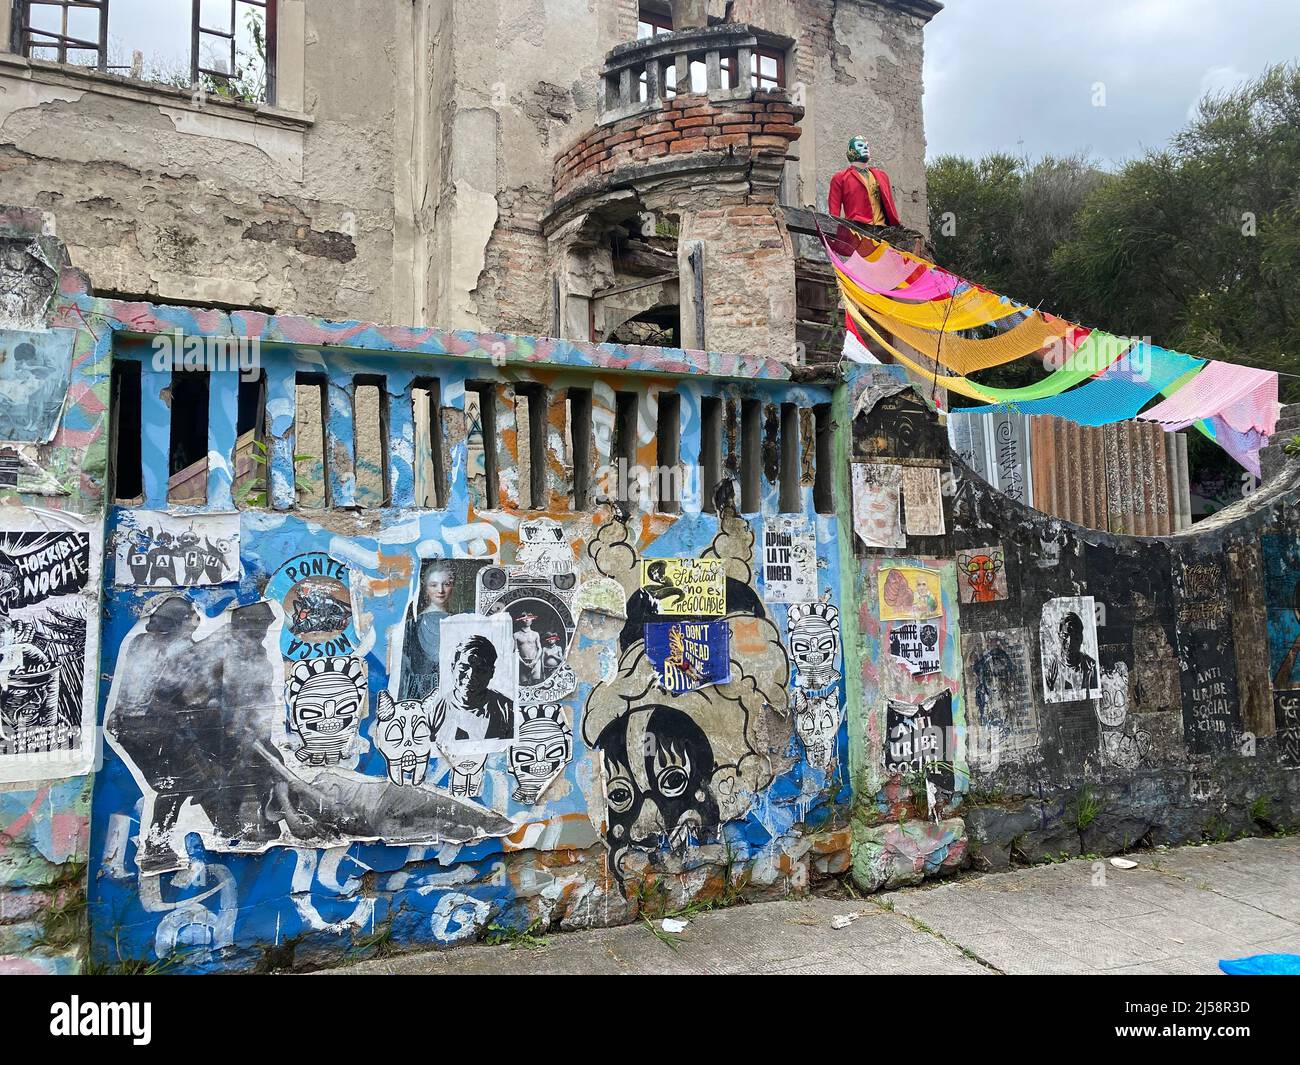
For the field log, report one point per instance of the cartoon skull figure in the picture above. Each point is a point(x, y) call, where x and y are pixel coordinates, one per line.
point(817, 720)
point(327, 697)
point(1112, 709)
point(404, 736)
point(542, 747)
point(813, 629)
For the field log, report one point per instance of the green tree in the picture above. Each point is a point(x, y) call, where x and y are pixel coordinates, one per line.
point(1195, 245)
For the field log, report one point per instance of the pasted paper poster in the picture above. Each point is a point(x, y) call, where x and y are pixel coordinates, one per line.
point(789, 560)
point(690, 587)
point(49, 645)
point(877, 493)
point(689, 655)
point(1068, 638)
point(155, 550)
point(908, 593)
point(923, 500)
point(915, 644)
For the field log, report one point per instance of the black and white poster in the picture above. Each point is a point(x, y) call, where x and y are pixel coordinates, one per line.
point(1067, 633)
point(915, 645)
point(473, 711)
point(920, 738)
point(789, 560)
point(540, 608)
point(49, 645)
point(155, 550)
point(218, 731)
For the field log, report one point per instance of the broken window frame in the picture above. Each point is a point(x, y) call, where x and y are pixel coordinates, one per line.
point(28, 37)
point(62, 42)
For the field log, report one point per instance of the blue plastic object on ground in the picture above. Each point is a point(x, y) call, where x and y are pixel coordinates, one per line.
point(1263, 965)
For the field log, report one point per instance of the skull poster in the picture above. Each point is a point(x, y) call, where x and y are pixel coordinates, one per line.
point(327, 700)
point(155, 550)
point(49, 645)
point(542, 747)
point(812, 630)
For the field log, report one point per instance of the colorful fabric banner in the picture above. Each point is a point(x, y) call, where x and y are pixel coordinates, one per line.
point(900, 300)
point(1245, 398)
point(1143, 373)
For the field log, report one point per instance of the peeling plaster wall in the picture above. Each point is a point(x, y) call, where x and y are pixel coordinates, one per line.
point(293, 211)
point(514, 106)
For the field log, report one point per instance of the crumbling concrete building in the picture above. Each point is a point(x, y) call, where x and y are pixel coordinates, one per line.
point(552, 167)
point(318, 634)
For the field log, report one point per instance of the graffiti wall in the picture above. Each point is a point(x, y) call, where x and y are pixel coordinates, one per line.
point(329, 726)
point(53, 402)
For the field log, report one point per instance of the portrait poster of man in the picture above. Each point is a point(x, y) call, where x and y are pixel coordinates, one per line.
point(473, 711)
point(1068, 637)
point(444, 587)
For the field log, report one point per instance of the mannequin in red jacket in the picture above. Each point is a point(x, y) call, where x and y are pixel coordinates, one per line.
point(862, 193)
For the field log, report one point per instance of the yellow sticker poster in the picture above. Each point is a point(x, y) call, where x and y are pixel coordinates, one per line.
point(694, 587)
point(907, 594)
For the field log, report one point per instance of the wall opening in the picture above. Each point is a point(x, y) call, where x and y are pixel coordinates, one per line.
point(623, 449)
point(250, 443)
point(481, 443)
point(580, 446)
point(824, 436)
point(790, 455)
point(310, 462)
point(530, 444)
point(370, 436)
point(751, 455)
point(668, 453)
point(126, 480)
point(710, 451)
point(430, 439)
point(187, 465)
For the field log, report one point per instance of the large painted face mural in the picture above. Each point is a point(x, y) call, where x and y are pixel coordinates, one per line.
point(676, 768)
point(657, 765)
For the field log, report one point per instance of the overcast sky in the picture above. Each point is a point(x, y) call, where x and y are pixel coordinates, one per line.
point(1019, 75)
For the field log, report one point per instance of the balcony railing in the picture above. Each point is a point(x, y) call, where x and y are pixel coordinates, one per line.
point(720, 61)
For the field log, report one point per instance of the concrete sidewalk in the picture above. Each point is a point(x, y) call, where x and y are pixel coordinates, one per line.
point(1180, 911)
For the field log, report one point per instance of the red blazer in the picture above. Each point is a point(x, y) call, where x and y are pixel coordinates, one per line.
point(849, 197)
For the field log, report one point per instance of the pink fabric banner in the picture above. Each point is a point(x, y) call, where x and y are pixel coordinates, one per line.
point(1243, 396)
